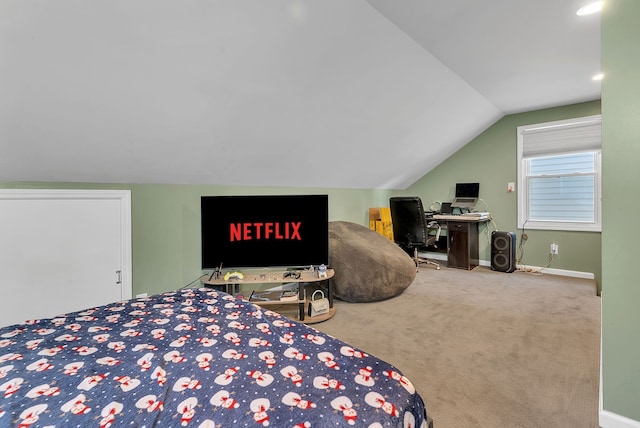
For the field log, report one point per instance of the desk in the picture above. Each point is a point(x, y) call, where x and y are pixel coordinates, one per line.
point(462, 241)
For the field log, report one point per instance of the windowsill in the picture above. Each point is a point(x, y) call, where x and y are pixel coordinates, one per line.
point(530, 225)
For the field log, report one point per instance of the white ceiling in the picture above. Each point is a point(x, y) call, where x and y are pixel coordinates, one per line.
point(331, 93)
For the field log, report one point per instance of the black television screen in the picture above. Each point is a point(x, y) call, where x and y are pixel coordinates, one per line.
point(262, 231)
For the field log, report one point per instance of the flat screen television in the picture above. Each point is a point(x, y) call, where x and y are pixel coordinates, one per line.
point(264, 231)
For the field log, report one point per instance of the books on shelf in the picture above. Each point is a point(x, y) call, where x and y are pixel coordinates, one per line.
point(258, 296)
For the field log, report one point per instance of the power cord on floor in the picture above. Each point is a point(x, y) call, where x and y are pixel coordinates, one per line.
point(520, 256)
point(537, 271)
point(523, 239)
point(195, 280)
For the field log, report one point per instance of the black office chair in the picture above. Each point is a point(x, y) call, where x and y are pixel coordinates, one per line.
point(411, 228)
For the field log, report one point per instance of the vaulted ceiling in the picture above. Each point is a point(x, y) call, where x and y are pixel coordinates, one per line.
point(331, 93)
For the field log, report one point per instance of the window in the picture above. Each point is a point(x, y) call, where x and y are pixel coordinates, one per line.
point(559, 175)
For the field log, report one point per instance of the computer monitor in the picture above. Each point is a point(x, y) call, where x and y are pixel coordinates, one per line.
point(466, 195)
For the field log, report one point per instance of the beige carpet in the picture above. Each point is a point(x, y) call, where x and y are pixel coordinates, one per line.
point(488, 349)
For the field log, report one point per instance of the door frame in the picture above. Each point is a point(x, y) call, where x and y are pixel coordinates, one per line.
point(123, 196)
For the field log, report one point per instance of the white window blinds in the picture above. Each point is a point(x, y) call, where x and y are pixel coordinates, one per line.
point(562, 137)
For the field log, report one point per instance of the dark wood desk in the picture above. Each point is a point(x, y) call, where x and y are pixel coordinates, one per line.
point(462, 241)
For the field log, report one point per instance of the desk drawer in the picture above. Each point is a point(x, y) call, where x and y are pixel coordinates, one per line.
point(462, 244)
point(457, 225)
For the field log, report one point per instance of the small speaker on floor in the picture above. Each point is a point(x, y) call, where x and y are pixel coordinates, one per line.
point(503, 251)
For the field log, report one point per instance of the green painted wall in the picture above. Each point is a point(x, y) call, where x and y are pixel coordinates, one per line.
point(621, 175)
point(165, 224)
point(491, 159)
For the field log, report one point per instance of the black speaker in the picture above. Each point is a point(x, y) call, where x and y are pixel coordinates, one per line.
point(503, 251)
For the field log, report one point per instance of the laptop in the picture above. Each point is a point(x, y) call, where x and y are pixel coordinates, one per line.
point(445, 208)
point(466, 195)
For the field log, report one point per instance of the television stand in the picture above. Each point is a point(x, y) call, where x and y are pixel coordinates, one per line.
point(301, 277)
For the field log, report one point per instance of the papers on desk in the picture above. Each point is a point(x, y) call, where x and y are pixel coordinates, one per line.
point(477, 215)
point(473, 216)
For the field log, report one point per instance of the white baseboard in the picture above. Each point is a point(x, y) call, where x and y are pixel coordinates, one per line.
point(433, 256)
point(607, 419)
point(613, 420)
point(563, 272)
point(550, 271)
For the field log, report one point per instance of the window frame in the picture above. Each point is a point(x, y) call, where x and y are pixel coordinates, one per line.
point(571, 148)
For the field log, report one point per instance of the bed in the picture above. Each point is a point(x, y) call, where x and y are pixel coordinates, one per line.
point(193, 357)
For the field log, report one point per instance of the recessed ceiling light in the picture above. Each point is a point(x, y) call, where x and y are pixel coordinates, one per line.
point(589, 9)
point(598, 76)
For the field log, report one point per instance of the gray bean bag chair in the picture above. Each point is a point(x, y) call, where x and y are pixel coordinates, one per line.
point(368, 267)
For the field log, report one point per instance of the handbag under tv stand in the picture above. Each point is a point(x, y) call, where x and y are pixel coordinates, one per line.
point(265, 276)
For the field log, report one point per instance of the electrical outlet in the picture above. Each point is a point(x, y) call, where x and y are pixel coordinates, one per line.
point(554, 249)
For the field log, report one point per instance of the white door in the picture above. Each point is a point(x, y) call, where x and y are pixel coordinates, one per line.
point(62, 251)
